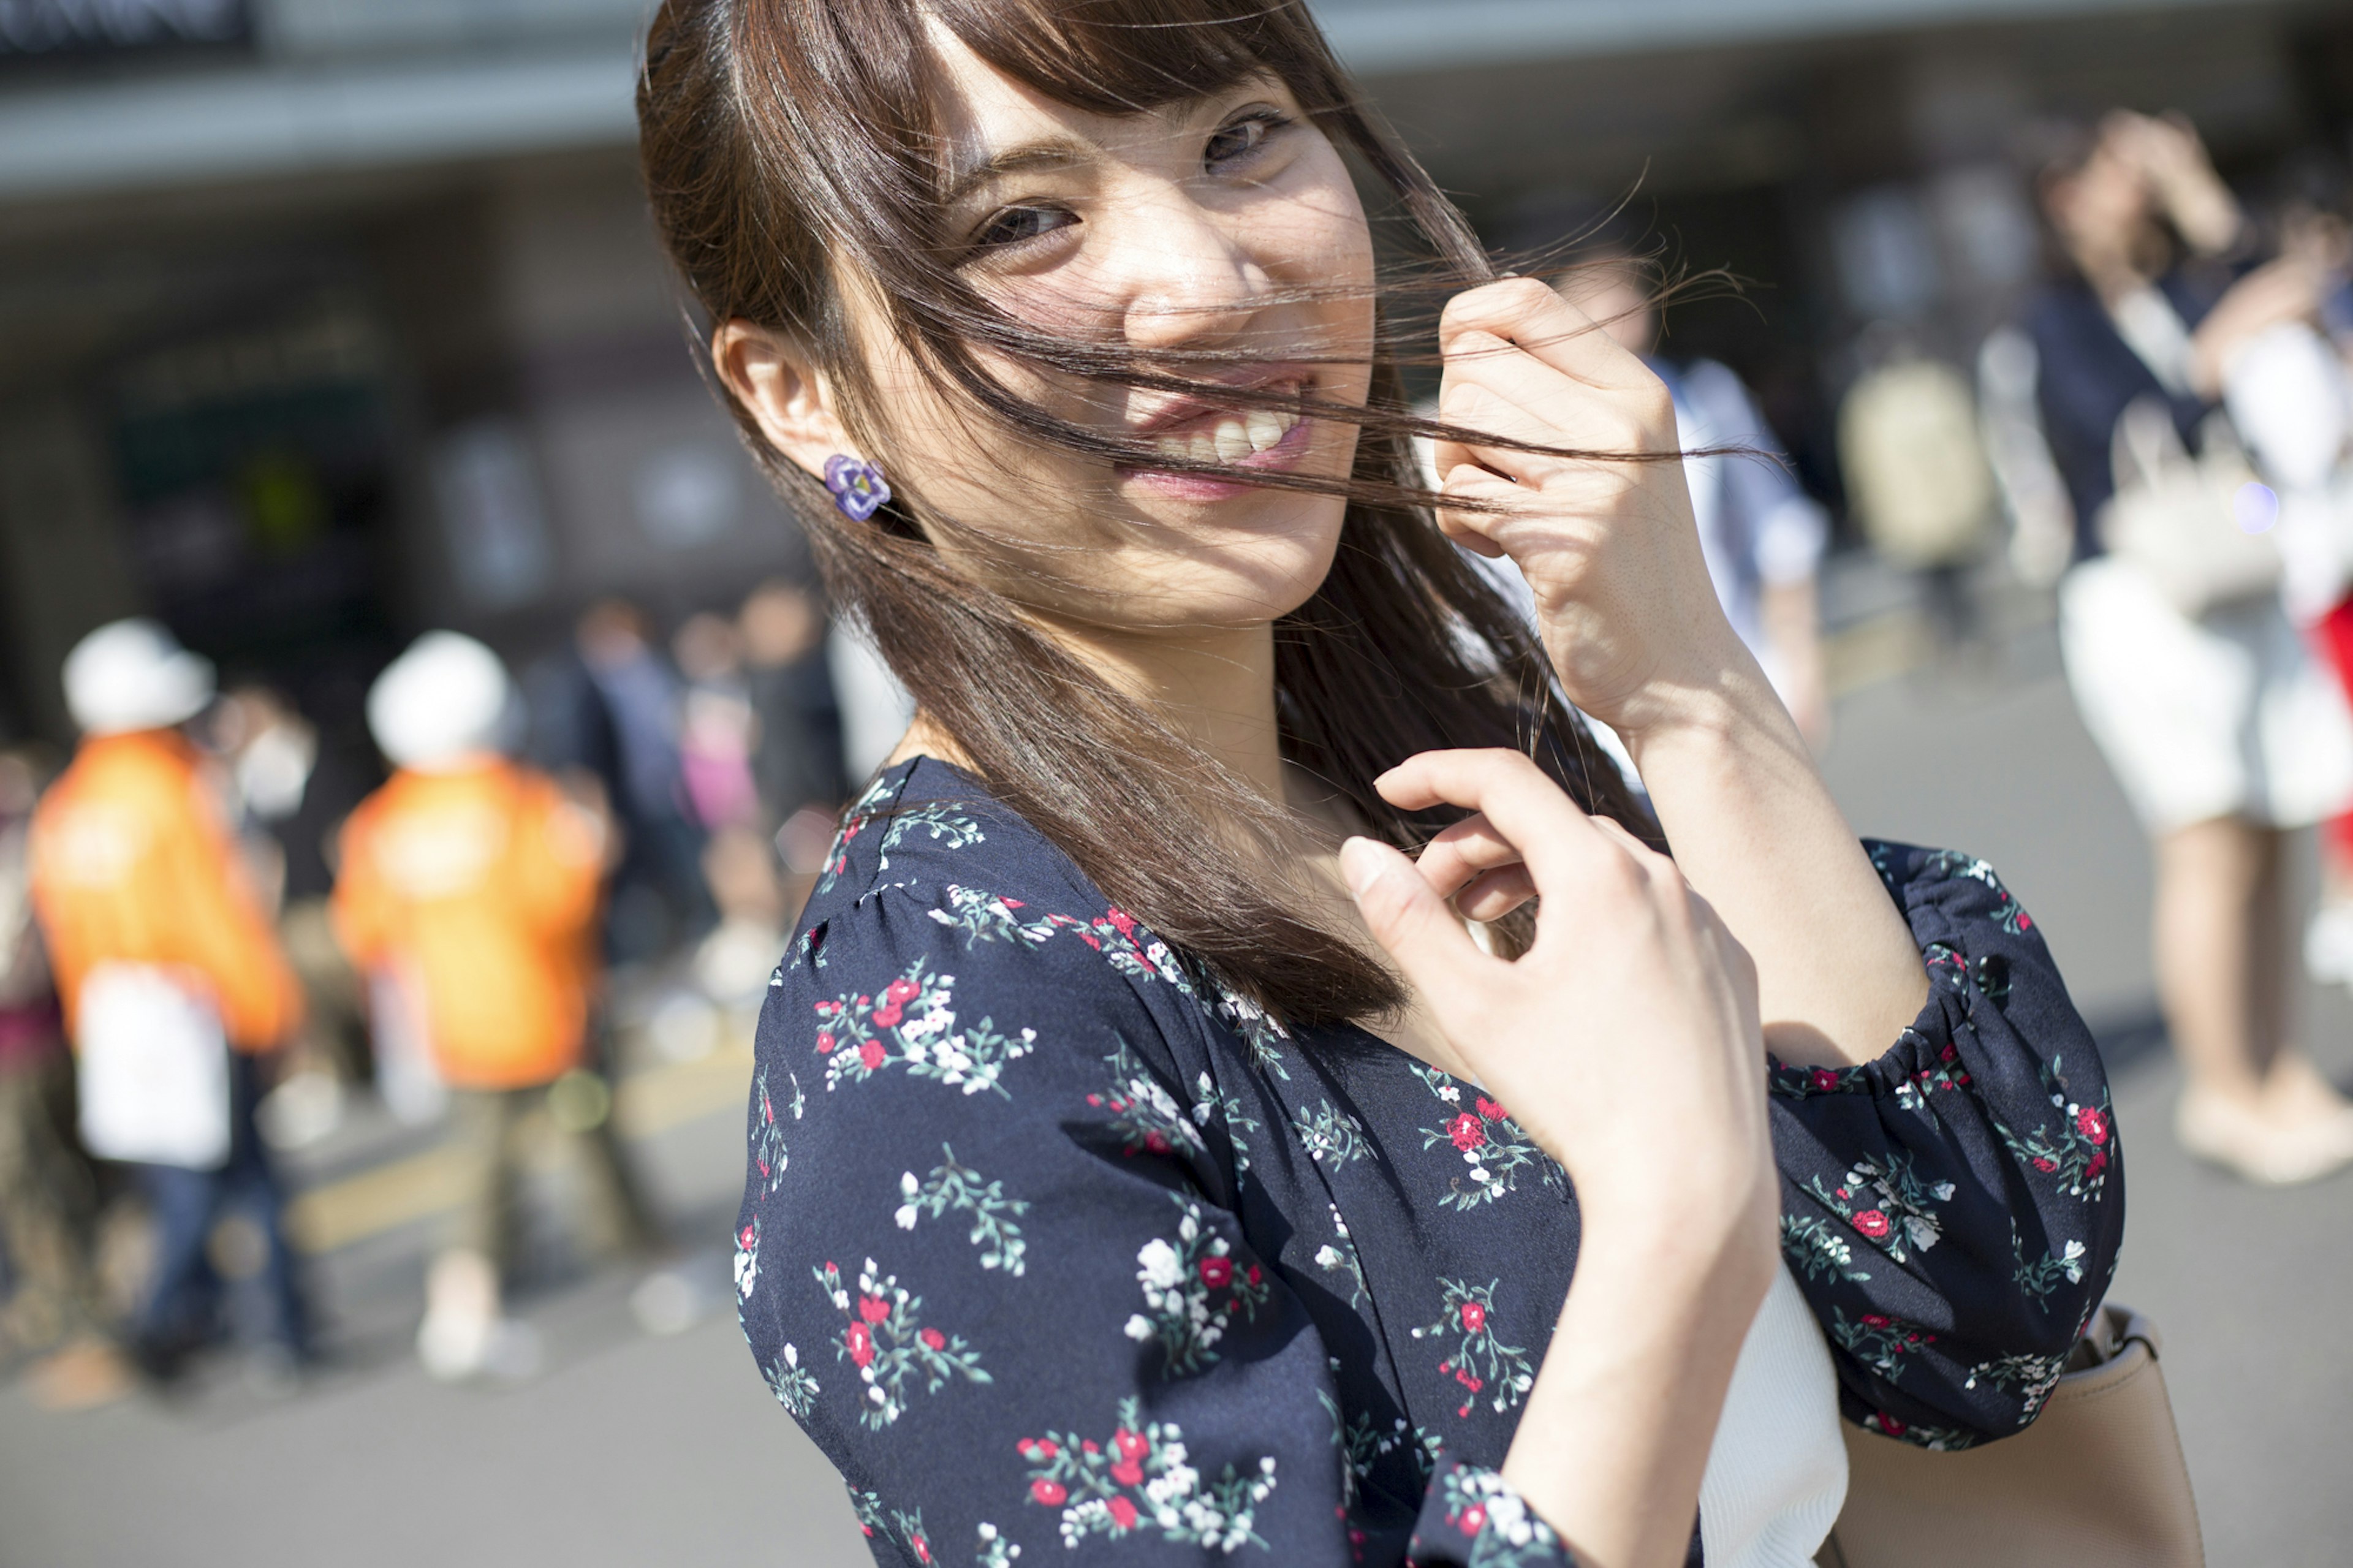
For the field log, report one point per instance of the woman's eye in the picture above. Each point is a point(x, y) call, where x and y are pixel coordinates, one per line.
point(1015, 225)
point(1242, 138)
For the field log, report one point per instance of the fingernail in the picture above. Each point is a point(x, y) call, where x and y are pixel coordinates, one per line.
point(1361, 864)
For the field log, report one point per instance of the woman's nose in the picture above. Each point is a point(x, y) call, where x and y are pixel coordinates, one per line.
point(1185, 281)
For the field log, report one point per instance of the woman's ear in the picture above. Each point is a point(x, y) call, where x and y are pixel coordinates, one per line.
point(789, 397)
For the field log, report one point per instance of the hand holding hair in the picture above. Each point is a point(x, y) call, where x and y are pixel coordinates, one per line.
point(1634, 1005)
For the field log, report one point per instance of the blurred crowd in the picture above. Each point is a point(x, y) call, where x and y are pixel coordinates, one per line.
point(220, 935)
point(217, 937)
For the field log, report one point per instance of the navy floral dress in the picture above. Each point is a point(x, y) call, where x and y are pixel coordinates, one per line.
point(1051, 1243)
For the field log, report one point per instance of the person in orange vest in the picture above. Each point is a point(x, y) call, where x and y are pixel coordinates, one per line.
point(469, 889)
point(163, 956)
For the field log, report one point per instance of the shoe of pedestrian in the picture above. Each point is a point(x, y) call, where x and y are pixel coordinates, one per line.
point(2328, 944)
point(2270, 1151)
point(670, 1302)
point(84, 1375)
point(457, 1348)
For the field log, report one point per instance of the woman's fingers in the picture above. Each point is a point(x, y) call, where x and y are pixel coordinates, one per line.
point(1494, 894)
point(1413, 924)
point(1448, 861)
point(1533, 317)
point(1556, 840)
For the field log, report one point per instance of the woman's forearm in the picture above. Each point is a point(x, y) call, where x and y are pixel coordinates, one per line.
point(1757, 833)
point(1616, 1433)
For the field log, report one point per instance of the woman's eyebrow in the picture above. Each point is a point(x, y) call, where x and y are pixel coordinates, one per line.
point(1055, 153)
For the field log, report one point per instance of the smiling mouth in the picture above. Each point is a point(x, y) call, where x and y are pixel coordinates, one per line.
point(1231, 439)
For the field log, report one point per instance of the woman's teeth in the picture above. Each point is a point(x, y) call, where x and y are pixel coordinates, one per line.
point(1232, 439)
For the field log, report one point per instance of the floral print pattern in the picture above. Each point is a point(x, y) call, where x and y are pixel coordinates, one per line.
point(1479, 1360)
point(1094, 1167)
point(910, 1023)
point(950, 1185)
point(1140, 1478)
point(1486, 1139)
point(889, 1343)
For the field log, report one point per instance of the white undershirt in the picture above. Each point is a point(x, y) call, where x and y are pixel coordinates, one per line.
point(1777, 1471)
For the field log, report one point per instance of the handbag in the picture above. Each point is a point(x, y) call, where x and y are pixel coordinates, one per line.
point(152, 1067)
point(2175, 517)
point(2097, 1481)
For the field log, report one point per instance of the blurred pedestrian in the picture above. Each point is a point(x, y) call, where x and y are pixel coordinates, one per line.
point(173, 984)
point(798, 765)
point(291, 792)
point(609, 708)
point(470, 882)
point(718, 730)
point(2220, 728)
point(48, 1199)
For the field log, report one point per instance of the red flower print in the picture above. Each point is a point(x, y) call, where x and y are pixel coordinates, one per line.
point(825, 1042)
point(922, 1549)
point(1131, 1445)
point(900, 990)
point(1127, 1473)
point(1050, 1493)
point(1122, 922)
point(871, 1052)
point(1490, 1111)
point(2096, 1164)
point(2092, 1125)
point(1474, 1317)
point(1891, 1425)
point(1253, 1273)
point(1156, 1140)
point(1875, 1320)
point(1040, 1448)
point(862, 1344)
point(1824, 1080)
point(2025, 920)
point(1217, 1273)
point(888, 1014)
point(1872, 1224)
point(933, 1339)
point(1474, 1520)
point(1948, 1054)
point(2045, 1164)
point(873, 1308)
point(1468, 1131)
point(743, 1237)
point(1123, 1513)
point(1090, 1445)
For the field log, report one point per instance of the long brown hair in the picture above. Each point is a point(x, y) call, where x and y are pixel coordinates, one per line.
point(789, 146)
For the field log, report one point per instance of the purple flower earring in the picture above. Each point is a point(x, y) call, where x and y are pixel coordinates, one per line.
point(857, 488)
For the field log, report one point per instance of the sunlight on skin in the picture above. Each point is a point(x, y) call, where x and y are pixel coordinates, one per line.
point(1169, 584)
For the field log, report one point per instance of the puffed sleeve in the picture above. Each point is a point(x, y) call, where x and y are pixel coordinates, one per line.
point(990, 1259)
point(1953, 1209)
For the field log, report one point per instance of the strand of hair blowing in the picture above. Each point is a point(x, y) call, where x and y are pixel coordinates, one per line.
point(773, 134)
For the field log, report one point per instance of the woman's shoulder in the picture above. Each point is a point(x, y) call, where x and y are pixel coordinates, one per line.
point(932, 883)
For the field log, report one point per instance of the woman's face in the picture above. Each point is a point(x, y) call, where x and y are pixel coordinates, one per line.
point(1192, 226)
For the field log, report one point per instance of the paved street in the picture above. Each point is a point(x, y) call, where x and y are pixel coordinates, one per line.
point(637, 1450)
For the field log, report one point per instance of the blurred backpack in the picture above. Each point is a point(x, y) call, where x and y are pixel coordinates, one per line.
point(1916, 469)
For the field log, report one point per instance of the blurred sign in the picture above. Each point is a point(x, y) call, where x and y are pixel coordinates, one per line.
point(43, 28)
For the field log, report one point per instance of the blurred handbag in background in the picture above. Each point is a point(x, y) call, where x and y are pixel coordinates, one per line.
point(2178, 518)
point(152, 1067)
point(2098, 1481)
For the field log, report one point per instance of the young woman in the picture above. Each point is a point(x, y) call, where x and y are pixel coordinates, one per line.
point(1117, 1180)
point(2223, 729)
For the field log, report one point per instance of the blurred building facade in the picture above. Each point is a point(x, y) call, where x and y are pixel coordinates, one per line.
point(322, 320)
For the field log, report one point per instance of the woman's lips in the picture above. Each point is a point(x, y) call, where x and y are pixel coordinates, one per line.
point(1259, 439)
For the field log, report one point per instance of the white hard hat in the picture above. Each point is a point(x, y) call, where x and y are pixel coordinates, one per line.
point(446, 699)
point(134, 675)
